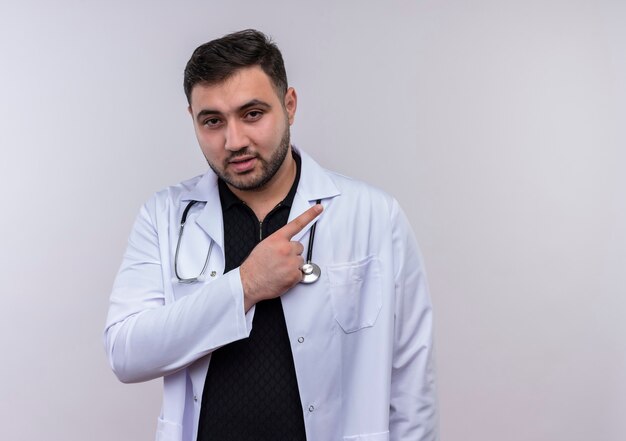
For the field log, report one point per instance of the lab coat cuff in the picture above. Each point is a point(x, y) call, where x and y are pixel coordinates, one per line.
point(245, 319)
point(249, 318)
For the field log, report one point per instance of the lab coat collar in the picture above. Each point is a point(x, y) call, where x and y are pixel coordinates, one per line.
point(314, 180)
point(315, 184)
point(204, 190)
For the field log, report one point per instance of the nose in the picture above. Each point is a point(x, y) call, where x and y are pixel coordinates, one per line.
point(236, 138)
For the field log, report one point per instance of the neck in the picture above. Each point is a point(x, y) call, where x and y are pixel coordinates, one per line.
point(264, 199)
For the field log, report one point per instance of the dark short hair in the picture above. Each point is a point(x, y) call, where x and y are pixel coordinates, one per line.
point(217, 60)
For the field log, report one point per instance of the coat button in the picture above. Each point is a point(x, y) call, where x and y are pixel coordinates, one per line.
point(311, 408)
point(195, 398)
point(300, 339)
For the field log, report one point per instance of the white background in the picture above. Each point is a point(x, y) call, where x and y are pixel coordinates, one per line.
point(499, 125)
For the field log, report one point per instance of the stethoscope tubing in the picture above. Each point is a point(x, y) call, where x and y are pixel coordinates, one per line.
point(183, 220)
point(310, 271)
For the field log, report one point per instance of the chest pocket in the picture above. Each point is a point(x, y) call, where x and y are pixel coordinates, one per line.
point(356, 293)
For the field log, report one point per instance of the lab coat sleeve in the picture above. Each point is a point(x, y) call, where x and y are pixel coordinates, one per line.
point(413, 404)
point(147, 337)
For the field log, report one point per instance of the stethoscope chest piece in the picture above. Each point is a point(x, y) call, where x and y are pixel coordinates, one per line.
point(310, 273)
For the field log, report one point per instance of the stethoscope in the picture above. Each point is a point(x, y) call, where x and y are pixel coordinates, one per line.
point(310, 271)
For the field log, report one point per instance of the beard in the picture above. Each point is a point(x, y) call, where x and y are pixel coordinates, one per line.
point(268, 167)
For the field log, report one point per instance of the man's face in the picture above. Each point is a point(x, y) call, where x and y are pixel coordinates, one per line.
point(242, 127)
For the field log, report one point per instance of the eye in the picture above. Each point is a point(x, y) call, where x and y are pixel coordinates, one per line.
point(253, 115)
point(211, 122)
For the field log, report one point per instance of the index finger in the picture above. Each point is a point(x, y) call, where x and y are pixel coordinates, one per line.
point(298, 224)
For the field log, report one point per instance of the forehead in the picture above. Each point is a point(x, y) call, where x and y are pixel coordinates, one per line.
point(244, 85)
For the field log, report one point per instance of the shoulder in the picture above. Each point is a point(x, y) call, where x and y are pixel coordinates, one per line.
point(179, 190)
point(195, 188)
point(361, 193)
point(344, 193)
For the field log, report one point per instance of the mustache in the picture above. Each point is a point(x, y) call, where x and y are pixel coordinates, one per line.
point(242, 152)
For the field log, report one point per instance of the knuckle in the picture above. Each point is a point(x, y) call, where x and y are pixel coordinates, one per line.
point(298, 223)
point(283, 250)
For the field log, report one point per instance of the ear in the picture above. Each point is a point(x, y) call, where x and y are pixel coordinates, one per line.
point(290, 104)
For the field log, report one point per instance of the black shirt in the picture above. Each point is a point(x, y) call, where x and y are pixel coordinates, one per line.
point(251, 390)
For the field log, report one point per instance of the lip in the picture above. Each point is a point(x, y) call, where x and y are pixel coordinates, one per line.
point(242, 164)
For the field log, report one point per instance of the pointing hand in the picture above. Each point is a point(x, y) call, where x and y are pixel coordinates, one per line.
point(274, 264)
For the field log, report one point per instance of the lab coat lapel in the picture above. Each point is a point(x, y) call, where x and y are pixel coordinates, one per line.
point(210, 219)
point(314, 184)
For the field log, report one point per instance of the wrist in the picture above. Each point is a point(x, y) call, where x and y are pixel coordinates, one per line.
point(248, 292)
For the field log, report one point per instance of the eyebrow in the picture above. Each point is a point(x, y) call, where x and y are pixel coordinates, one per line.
point(251, 103)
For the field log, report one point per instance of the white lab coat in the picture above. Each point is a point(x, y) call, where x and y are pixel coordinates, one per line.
point(361, 335)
